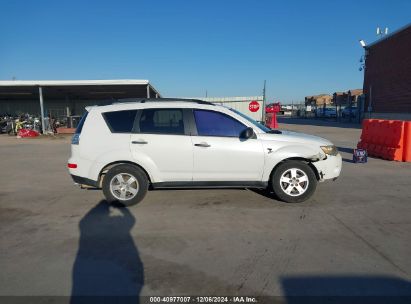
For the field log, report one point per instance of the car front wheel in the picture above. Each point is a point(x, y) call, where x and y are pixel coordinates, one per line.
point(125, 185)
point(294, 181)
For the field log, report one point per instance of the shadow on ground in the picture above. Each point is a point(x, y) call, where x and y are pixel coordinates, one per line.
point(351, 151)
point(266, 193)
point(346, 150)
point(107, 265)
point(346, 289)
point(318, 122)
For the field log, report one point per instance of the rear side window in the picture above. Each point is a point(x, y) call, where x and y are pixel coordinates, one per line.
point(211, 123)
point(120, 121)
point(162, 121)
point(81, 123)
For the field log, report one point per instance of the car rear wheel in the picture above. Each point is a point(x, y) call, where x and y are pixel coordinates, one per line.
point(125, 185)
point(294, 181)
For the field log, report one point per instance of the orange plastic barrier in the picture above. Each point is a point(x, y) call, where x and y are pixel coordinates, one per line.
point(387, 139)
point(406, 156)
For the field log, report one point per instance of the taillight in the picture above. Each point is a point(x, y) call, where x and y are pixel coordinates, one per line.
point(72, 166)
point(75, 139)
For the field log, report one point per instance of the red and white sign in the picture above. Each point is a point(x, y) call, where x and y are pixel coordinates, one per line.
point(273, 108)
point(254, 106)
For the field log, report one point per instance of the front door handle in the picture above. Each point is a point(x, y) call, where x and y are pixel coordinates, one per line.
point(139, 142)
point(203, 144)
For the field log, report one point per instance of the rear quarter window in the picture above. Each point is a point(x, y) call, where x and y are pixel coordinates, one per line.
point(120, 121)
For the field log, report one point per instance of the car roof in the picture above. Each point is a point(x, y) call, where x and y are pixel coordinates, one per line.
point(144, 100)
point(168, 103)
point(127, 104)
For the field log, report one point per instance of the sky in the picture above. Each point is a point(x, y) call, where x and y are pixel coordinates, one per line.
point(188, 47)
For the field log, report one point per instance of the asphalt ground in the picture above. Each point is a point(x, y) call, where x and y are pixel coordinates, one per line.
point(352, 238)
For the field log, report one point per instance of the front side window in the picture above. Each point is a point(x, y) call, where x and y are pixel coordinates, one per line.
point(211, 123)
point(162, 121)
point(120, 121)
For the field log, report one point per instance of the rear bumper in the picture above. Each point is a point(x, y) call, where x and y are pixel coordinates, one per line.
point(84, 181)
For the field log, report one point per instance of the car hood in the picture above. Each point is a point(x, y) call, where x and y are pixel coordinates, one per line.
point(295, 137)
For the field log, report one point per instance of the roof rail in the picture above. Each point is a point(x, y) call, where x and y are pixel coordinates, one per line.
point(144, 100)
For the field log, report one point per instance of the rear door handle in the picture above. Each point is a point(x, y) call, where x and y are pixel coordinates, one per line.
point(139, 142)
point(203, 144)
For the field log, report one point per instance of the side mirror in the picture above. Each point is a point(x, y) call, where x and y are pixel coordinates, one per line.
point(247, 133)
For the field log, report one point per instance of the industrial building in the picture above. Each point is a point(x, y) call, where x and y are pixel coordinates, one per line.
point(64, 98)
point(387, 77)
point(61, 99)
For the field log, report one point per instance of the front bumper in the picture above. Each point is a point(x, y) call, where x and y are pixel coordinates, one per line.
point(329, 168)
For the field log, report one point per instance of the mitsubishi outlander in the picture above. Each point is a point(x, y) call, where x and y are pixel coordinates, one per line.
point(129, 147)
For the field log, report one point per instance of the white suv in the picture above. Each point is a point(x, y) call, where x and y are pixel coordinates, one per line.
point(127, 148)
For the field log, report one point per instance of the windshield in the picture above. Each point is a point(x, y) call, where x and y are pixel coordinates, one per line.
point(254, 122)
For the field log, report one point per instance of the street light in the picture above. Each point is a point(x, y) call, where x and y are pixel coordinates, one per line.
point(362, 59)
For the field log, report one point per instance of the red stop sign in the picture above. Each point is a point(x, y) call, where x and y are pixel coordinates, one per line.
point(254, 106)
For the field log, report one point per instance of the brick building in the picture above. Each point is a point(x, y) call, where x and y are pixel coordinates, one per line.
point(387, 78)
point(345, 99)
point(318, 100)
point(355, 95)
point(338, 98)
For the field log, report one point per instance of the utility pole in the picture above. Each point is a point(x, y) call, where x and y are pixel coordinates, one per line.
point(263, 110)
point(43, 126)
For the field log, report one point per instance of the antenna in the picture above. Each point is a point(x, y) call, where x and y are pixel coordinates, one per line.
point(381, 32)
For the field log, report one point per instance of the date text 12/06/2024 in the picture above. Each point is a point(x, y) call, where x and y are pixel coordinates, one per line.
point(204, 299)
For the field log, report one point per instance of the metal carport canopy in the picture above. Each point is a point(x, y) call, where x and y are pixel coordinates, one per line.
point(87, 89)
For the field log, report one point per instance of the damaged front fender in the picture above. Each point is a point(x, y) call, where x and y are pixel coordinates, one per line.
point(276, 154)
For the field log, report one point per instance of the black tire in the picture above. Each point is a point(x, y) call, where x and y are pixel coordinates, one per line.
point(293, 197)
point(141, 181)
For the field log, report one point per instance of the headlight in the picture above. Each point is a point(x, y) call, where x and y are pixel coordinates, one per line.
point(330, 150)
